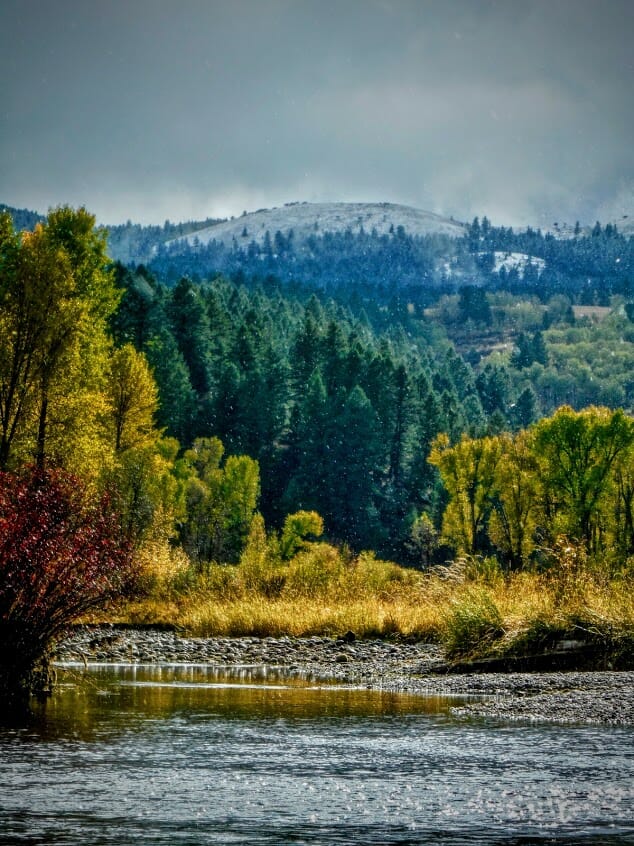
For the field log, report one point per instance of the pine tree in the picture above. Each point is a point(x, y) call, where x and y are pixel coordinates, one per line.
point(192, 332)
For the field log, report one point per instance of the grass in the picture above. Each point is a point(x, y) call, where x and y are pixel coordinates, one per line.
point(262, 617)
point(469, 606)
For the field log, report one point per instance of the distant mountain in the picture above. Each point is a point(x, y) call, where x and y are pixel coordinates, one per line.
point(378, 249)
point(129, 243)
point(314, 219)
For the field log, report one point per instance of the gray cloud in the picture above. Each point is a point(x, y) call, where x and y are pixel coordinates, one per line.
point(148, 109)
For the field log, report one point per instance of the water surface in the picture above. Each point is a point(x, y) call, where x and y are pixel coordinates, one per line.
point(188, 755)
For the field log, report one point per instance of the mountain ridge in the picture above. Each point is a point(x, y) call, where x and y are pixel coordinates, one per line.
point(305, 219)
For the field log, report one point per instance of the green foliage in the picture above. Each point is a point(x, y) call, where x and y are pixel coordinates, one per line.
point(423, 541)
point(260, 568)
point(148, 495)
point(570, 474)
point(337, 400)
point(220, 501)
point(133, 399)
point(473, 624)
point(296, 529)
point(577, 452)
point(469, 473)
point(56, 294)
point(339, 419)
point(529, 350)
point(314, 571)
point(474, 305)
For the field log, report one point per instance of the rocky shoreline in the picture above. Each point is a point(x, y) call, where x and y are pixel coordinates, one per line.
point(599, 697)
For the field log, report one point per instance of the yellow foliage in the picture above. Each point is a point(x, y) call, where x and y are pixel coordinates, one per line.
point(468, 471)
point(132, 399)
point(161, 566)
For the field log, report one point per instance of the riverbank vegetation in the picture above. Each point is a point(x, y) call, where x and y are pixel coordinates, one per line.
point(251, 443)
point(469, 605)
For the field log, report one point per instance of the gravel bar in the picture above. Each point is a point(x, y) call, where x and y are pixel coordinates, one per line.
point(605, 697)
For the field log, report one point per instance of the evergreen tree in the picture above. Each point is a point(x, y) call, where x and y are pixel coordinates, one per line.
point(192, 332)
point(493, 386)
point(352, 470)
point(474, 305)
point(309, 450)
point(178, 406)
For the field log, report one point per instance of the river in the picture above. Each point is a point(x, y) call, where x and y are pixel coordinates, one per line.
point(188, 755)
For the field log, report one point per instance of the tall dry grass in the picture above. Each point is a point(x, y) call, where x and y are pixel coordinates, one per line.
point(470, 606)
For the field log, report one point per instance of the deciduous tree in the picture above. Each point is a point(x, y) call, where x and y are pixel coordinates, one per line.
point(133, 399)
point(576, 452)
point(469, 473)
point(56, 294)
point(61, 555)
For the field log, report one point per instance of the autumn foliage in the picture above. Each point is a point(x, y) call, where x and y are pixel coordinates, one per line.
point(61, 555)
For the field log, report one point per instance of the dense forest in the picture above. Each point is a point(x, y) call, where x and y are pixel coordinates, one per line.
point(589, 268)
point(339, 418)
point(320, 396)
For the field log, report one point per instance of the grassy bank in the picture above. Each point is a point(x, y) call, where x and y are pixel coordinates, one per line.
point(471, 607)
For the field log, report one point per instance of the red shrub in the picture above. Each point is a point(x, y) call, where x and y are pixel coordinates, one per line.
point(60, 556)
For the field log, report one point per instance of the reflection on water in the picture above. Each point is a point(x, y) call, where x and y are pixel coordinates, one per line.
point(192, 755)
point(246, 693)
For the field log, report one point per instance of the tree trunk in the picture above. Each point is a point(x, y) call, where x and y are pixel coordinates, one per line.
point(24, 669)
point(40, 453)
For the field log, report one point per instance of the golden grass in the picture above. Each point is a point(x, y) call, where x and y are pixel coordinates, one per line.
point(470, 606)
point(262, 617)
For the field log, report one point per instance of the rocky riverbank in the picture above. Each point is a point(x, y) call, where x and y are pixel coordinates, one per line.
point(572, 697)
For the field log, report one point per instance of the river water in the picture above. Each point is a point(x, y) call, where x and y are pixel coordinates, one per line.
point(186, 755)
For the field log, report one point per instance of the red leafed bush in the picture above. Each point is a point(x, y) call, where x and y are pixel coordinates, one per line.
point(60, 556)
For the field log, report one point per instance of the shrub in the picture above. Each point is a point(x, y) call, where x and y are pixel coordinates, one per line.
point(60, 557)
point(473, 624)
point(314, 571)
point(297, 527)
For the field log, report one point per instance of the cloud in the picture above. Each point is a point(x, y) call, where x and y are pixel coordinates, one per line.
point(147, 110)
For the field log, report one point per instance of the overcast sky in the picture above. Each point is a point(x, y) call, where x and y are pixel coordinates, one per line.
point(152, 109)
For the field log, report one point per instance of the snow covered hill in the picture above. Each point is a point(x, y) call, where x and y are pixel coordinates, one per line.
point(306, 219)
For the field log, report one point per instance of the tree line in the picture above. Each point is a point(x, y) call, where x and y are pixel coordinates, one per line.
point(339, 418)
point(516, 496)
point(128, 382)
point(588, 268)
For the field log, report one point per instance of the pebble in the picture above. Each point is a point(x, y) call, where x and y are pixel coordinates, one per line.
point(604, 697)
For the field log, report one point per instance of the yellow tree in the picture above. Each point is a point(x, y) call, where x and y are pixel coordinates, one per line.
point(132, 398)
point(513, 519)
point(469, 473)
point(150, 495)
point(623, 504)
point(240, 492)
point(297, 527)
point(201, 476)
point(221, 500)
point(56, 294)
point(577, 451)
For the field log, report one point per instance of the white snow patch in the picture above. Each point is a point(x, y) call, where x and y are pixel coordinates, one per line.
point(518, 261)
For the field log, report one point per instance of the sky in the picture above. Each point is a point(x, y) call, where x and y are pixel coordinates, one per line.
point(522, 110)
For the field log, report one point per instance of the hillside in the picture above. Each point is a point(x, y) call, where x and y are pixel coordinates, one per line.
point(380, 248)
point(309, 219)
